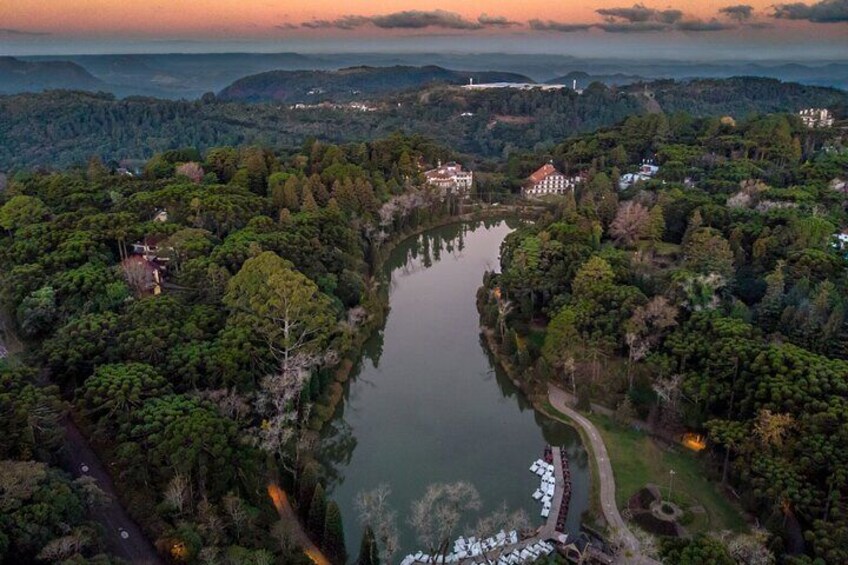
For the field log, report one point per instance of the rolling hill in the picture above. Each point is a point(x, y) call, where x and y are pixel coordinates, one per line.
point(350, 83)
point(36, 76)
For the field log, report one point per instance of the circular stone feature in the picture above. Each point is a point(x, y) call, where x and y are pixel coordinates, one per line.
point(665, 510)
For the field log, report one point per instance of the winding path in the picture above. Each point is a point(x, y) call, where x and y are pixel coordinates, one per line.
point(560, 400)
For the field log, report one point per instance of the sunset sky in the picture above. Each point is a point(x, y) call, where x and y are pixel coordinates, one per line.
point(535, 25)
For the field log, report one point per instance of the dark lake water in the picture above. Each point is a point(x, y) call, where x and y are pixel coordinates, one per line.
point(428, 403)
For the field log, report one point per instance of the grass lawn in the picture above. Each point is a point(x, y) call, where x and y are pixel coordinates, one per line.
point(638, 460)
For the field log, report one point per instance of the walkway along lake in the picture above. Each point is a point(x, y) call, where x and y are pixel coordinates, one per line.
point(429, 404)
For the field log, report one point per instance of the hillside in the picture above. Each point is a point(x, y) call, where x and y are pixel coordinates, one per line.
point(584, 79)
point(350, 83)
point(35, 76)
point(62, 128)
point(741, 95)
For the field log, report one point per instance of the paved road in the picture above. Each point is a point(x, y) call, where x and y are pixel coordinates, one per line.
point(560, 400)
point(122, 536)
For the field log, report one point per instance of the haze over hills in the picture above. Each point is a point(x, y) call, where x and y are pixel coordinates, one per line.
point(29, 76)
point(351, 83)
point(191, 75)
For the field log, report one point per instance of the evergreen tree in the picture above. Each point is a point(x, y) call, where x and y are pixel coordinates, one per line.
point(333, 542)
point(368, 552)
point(656, 224)
point(306, 488)
point(308, 203)
point(317, 512)
point(290, 196)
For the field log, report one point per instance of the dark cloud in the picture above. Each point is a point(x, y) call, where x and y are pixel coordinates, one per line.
point(409, 19)
point(5, 31)
point(318, 24)
point(632, 27)
point(286, 26)
point(495, 21)
point(418, 19)
point(345, 22)
point(701, 25)
point(539, 25)
point(826, 11)
point(639, 13)
point(739, 12)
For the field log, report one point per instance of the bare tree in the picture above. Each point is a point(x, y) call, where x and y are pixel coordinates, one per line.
point(436, 515)
point(66, 546)
point(374, 510)
point(645, 328)
point(191, 170)
point(237, 514)
point(138, 274)
point(178, 493)
point(501, 519)
point(629, 223)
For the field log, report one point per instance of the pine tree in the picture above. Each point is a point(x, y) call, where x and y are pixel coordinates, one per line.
point(317, 512)
point(290, 196)
point(306, 488)
point(333, 540)
point(368, 552)
point(695, 223)
point(308, 203)
point(319, 190)
point(656, 224)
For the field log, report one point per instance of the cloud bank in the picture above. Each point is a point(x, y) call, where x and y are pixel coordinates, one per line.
point(637, 18)
point(826, 11)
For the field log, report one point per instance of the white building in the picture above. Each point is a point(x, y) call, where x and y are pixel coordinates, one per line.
point(816, 117)
point(647, 171)
point(548, 180)
point(450, 177)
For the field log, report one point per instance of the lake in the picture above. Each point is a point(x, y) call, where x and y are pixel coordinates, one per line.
point(429, 404)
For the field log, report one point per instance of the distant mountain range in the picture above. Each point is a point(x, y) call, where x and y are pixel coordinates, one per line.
point(351, 83)
point(34, 76)
point(188, 76)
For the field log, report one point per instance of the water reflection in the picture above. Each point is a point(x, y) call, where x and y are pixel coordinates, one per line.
point(428, 404)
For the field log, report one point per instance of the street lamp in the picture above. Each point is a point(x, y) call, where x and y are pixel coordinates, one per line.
point(671, 474)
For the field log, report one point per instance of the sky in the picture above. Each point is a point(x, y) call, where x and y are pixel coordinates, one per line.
point(758, 29)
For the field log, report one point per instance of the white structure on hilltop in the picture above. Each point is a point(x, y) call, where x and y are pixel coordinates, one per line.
point(646, 171)
point(450, 177)
point(548, 180)
point(816, 117)
point(512, 85)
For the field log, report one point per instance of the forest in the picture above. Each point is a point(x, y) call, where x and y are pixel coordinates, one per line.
point(195, 322)
point(57, 129)
point(708, 300)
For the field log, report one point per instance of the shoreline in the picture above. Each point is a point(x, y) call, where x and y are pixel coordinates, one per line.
point(379, 302)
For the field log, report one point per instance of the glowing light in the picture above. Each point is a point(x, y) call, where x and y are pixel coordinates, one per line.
point(695, 442)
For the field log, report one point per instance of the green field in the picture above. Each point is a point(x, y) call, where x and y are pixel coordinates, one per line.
point(638, 460)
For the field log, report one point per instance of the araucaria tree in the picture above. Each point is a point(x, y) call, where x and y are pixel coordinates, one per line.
point(294, 319)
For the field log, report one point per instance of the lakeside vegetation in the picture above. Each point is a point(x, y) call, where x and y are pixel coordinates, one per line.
point(707, 300)
point(194, 362)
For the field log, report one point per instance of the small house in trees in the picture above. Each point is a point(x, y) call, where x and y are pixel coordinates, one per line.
point(144, 276)
point(647, 170)
point(548, 180)
point(450, 177)
point(151, 249)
